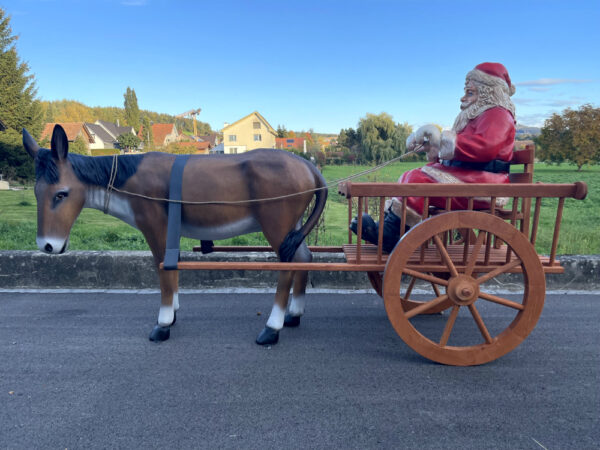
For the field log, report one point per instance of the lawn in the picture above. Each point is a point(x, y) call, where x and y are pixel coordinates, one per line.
point(93, 230)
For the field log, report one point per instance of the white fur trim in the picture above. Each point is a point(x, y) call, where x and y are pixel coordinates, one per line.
point(448, 144)
point(440, 176)
point(443, 177)
point(395, 205)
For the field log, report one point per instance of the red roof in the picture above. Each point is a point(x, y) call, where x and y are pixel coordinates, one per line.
point(159, 131)
point(71, 128)
point(289, 143)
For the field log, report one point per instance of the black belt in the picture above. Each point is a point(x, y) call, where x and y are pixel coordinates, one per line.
point(495, 166)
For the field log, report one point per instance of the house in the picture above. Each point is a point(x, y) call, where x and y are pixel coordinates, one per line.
point(101, 137)
point(248, 133)
point(212, 139)
point(164, 134)
point(72, 130)
point(288, 143)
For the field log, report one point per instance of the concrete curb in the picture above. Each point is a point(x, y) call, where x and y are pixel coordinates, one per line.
point(135, 270)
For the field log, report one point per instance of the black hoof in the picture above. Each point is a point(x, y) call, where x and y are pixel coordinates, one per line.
point(268, 336)
point(174, 318)
point(291, 321)
point(160, 334)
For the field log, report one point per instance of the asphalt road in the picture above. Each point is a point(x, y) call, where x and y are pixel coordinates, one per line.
point(77, 371)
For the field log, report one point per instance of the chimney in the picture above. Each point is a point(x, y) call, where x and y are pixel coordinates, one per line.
point(225, 125)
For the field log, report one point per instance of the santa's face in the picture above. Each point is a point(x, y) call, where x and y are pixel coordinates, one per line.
point(471, 95)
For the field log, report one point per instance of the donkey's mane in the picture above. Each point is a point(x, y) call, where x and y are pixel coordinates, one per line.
point(93, 170)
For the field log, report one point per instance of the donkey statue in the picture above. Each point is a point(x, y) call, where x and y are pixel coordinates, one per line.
point(227, 195)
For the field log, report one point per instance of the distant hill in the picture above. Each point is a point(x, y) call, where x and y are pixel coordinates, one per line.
point(523, 131)
point(74, 111)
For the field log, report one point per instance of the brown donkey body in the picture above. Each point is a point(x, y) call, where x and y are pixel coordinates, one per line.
point(262, 190)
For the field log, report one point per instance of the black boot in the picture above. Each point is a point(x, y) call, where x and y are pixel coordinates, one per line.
point(391, 231)
point(370, 228)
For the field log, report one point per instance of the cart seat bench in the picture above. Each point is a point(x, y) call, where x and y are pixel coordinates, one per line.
point(431, 262)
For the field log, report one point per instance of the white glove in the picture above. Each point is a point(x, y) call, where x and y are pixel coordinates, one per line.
point(428, 136)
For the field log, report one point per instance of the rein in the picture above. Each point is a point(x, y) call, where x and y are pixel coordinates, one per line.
point(113, 175)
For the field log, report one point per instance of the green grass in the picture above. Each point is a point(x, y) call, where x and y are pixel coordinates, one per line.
point(94, 230)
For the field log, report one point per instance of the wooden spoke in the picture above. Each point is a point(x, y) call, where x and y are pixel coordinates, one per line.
point(501, 301)
point(425, 306)
point(479, 321)
point(504, 268)
point(445, 256)
point(411, 285)
point(475, 252)
point(426, 277)
point(435, 289)
point(449, 325)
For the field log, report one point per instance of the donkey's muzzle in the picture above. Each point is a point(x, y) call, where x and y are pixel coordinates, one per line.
point(52, 246)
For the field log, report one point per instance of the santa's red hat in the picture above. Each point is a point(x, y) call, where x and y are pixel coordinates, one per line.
point(492, 74)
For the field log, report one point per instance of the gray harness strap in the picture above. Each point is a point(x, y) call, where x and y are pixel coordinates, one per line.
point(174, 214)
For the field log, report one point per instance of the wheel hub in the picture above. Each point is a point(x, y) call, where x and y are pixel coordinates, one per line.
point(462, 290)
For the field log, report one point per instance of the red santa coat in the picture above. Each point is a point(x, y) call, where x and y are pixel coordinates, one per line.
point(489, 136)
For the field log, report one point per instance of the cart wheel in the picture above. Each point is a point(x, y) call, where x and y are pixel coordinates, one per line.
point(482, 326)
point(376, 279)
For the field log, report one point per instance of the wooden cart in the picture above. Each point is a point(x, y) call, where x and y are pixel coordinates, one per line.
point(460, 254)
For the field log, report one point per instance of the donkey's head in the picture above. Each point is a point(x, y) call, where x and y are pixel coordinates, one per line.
point(60, 194)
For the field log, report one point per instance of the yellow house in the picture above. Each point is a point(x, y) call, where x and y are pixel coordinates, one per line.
point(248, 133)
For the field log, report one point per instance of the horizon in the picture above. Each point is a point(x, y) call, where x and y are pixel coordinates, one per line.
point(310, 65)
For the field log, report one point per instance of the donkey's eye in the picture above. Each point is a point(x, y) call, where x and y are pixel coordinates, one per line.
point(60, 196)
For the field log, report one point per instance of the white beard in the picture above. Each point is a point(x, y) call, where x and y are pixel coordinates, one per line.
point(489, 97)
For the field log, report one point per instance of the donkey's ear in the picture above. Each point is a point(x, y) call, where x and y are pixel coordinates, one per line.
point(30, 145)
point(59, 143)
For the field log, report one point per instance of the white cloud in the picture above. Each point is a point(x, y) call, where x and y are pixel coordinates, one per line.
point(539, 89)
point(552, 81)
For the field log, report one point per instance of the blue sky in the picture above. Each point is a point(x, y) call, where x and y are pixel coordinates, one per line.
point(309, 64)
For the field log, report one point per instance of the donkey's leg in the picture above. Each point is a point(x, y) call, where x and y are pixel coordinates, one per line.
point(169, 304)
point(270, 334)
point(296, 306)
point(153, 224)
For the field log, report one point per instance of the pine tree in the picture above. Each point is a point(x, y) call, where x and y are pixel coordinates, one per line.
point(18, 106)
point(132, 111)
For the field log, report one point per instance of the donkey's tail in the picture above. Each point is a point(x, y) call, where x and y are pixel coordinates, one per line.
point(294, 238)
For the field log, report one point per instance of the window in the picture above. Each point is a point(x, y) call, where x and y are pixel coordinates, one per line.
point(233, 150)
point(232, 138)
point(258, 137)
point(289, 141)
point(256, 125)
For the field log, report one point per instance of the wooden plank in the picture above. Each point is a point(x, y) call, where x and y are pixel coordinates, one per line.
point(267, 248)
point(575, 190)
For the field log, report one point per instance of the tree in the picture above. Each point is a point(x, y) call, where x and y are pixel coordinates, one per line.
point(376, 136)
point(128, 141)
point(132, 111)
point(18, 106)
point(147, 134)
point(281, 131)
point(79, 146)
point(572, 136)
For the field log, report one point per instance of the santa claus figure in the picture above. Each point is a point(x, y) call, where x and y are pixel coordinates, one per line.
point(477, 150)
